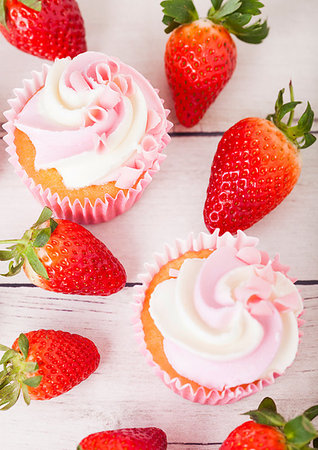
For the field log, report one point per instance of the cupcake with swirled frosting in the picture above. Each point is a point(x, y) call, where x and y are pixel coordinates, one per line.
point(217, 318)
point(86, 135)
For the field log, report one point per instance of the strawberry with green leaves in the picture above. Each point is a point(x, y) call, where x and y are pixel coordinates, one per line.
point(126, 439)
point(44, 364)
point(200, 55)
point(269, 430)
point(45, 28)
point(62, 256)
point(256, 165)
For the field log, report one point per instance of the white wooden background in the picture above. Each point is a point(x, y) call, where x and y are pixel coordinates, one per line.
point(124, 392)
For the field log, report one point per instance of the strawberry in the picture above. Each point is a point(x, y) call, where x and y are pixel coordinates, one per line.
point(45, 28)
point(63, 256)
point(255, 167)
point(269, 430)
point(200, 55)
point(45, 364)
point(126, 439)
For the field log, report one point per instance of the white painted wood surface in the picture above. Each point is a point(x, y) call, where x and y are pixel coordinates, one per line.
point(124, 392)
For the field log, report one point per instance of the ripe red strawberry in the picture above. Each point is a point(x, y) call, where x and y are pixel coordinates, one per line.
point(45, 28)
point(63, 256)
point(255, 167)
point(200, 54)
point(269, 430)
point(126, 439)
point(255, 435)
point(45, 364)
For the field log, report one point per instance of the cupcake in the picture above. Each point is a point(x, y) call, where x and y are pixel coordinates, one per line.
point(216, 318)
point(86, 135)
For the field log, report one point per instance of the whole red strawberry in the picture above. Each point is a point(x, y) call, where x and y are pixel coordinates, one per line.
point(45, 364)
point(126, 439)
point(200, 54)
point(63, 256)
point(255, 435)
point(45, 28)
point(269, 430)
point(255, 167)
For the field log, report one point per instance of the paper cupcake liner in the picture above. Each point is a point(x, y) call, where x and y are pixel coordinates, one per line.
point(102, 210)
point(202, 395)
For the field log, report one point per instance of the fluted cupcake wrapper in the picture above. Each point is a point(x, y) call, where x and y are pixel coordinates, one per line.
point(201, 395)
point(101, 210)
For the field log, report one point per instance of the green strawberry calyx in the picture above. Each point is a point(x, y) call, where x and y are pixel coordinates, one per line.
point(24, 249)
point(36, 5)
point(298, 134)
point(17, 374)
point(234, 15)
point(178, 12)
point(299, 432)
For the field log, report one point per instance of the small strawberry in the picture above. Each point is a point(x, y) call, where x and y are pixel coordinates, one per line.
point(269, 430)
point(45, 28)
point(255, 167)
point(63, 256)
point(200, 54)
point(126, 439)
point(45, 364)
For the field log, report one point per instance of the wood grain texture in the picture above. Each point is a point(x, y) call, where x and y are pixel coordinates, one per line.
point(175, 200)
point(124, 391)
point(289, 52)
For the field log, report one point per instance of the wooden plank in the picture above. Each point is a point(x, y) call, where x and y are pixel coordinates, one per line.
point(124, 391)
point(175, 200)
point(261, 69)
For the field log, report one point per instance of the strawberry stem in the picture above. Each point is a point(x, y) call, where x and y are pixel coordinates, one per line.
point(299, 432)
point(299, 135)
point(235, 15)
point(291, 93)
point(15, 374)
point(177, 12)
point(24, 249)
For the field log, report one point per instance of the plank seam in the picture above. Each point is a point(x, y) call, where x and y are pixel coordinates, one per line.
point(195, 443)
point(30, 285)
point(205, 133)
point(132, 284)
point(177, 134)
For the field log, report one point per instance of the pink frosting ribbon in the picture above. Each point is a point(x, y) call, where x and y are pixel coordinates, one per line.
point(254, 293)
point(114, 81)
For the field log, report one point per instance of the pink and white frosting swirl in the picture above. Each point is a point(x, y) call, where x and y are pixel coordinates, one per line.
point(229, 319)
point(95, 120)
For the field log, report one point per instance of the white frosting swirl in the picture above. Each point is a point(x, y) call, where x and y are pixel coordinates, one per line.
point(229, 319)
point(95, 120)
